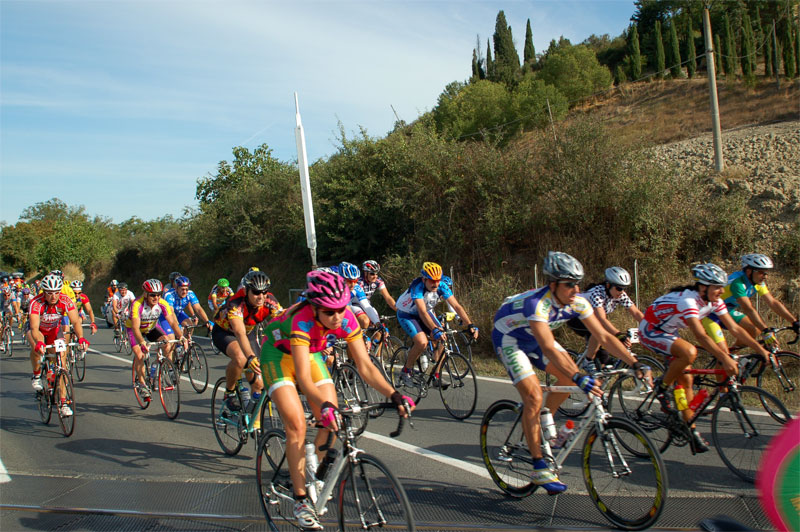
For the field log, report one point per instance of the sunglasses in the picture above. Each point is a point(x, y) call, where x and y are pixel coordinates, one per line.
point(258, 292)
point(620, 288)
point(332, 312)
point(154, 294)
point(569, 284)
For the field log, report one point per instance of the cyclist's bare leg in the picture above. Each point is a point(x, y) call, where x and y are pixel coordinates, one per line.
point(554, 399)
point(531, 394)
point(34, 356)
point(684, 355)
point(420, 342)
point(294, 425)
point(234, 369)
point(138, 363)
point(748, 325)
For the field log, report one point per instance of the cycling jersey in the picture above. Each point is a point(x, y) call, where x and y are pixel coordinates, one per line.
point(669, 312)
point(598, 297)
point(148, 316)
point(81, 300)
point(68, 291)
point(740, 286)
point(50, 315)
point(222, 295)
point(417, 290)
point(371, 288)
point(236, 308)
point(111, 291)
point(179, 304)
point(124, 304)
point(360, 302)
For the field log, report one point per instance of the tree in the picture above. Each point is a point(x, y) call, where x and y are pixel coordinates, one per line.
point(691, 52)
point(489, 62)
point(529, 53)
point(768, 53)
point(635, 54)
point(675, 52)
point(788, 46)
point(575, 71)
point(660, 58)
point(717, 55)
point(729, 52)
point(506, 58)
point(619, 75)
point(748, 55)
point(475, 72)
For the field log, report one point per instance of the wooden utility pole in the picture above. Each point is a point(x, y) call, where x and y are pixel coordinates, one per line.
point(719, 163)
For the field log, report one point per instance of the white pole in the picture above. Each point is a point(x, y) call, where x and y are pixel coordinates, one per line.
point(305, 185)
point(636, 278)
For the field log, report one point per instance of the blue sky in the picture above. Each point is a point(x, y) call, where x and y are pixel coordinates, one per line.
point(121, 106)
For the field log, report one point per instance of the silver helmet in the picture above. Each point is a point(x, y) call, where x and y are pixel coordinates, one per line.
point(558, 265)
point(618, 276)
point(710, 274)
point(758, 261)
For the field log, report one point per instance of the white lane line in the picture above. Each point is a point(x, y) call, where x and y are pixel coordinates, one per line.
point(130, 361)
point(4, 474)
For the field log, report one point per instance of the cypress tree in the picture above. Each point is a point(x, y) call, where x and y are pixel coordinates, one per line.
point(489, 62)
point(747, 48)
point(797, 50)
point(619, 75)
point(788, 51)
point(636, 55)
point(768, 52)
point(529, 53)
point(506, 58)
point(660, 59)
point(691, 52)
point(758, 38)
point(675, 52)
point(475, 74)
point(717, 55)
point(729, 52)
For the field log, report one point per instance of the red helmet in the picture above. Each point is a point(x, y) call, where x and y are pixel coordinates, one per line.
point(327, 290)
point(152, 286)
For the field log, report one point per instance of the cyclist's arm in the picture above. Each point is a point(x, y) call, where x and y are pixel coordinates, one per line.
point(88, 307)
point(388, 298)
point(176, 327)
point(779, 308)
point(200, 312)
point(636, 313)
point(746, 306)
point(424, 315)
point(75, 320)
point(136, 323)
point(602, 318)
point(607, 339)
point(34, 320)
point(741, 335)
point(458, 309)
point(239, 331)
point(544, 337)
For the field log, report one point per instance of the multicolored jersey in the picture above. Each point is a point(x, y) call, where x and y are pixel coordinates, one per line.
point(25, 301)
point(740, 286)
point(236, 308)
point(124, 303)
point(180, 303)
point(68, 291)
point(81, 300)
point(222, 293)
point(598, 297)
point(111, 291)
point(669, 312)
point(50, 315)
point(539, 304)
point(300, 327)
point(417, 290)
point(371, 288)
point(148, 316)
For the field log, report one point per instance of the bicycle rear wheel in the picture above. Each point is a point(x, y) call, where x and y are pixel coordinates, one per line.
point(458, 386)
point(78, 363)
point(352, 392)
point(769, 381)
point(370, 496)
point(504, 449)
point(197, 367)
point(64, 385)
point(168, 388)
point(628, 488)
point(462, 344)
point(641, 408)
point(272, 476)
point(270, 418)
point(414, 388)
point(742, 429)
point(228, 427)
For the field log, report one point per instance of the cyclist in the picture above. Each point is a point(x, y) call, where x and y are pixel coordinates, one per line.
point(371, 283)
point(605, 297)
point(234, 331)
point(172, 277)
point(81, 303)
point(291, 357)
point(523, 339)
point(219, 295)
point(416, 317)
point(121, 304)
point(685, 307)
point(46, 311)
point(359, 303)
point(182, 299)
point(142, 326)
point(23, 305)
point(741, 286)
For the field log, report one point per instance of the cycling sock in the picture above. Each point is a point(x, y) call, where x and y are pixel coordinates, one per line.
point(300, 498)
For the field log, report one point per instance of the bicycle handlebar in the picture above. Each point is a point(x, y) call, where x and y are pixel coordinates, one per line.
point(357, 409)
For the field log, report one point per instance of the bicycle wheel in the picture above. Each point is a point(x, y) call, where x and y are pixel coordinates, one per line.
point(352, 391)
point(43, 398)
point(462, 344)
point(143, 401)
point(458, 386)
point(504, 449)
point(197, 367)
point(63, 384)
point(168, 388)
point(769, 381)
point(370, 496)
point(629, 398)
point(374, 395)
point(385, 349)
point(228, 427)
point(414, 388)
point(272, 476)
point(118, 340)
point(8, 341)
point(741, 429)
point(78, 363)
point(628, 488)
point(270, 418)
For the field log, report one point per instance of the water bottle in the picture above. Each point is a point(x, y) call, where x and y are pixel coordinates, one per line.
point(423, 361)
point(564, 434)
point(699, 399)
point(251, 406)
point(548, 425)
point(51, 377)
point(312, 462)
point(680, 398)
point(329, 458)
point(153, 369)
point(244, 392)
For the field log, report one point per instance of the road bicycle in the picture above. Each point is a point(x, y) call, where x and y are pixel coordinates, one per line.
point(76, 358)
point(368, 495)
point(740, 425)
point(160, 373)
point(382, 343)
point(7, 336)
point(622, 470)
point(234, 427)
point(452, 374)
point(350, 387)
point(192, 361)
point(121, 340)
point(57, 389)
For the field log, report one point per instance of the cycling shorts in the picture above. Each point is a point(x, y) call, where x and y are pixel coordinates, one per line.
point(714, 327)
point(413, 325)
point(222, 339)
point(182, 316)
point(576, 324)
point(64, 320)
point(655, 339)
point(520, 357)
point(277, 373)
point(153, 335)
point(49, 337)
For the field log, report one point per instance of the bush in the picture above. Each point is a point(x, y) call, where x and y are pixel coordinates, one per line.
point(575, 72)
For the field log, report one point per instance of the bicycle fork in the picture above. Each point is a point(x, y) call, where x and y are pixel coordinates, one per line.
point(611, 447)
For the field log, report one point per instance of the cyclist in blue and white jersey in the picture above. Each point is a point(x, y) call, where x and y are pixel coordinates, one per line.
point(363, 310)
point(183, 299)
point(416, 317)
point(371, 283)
point(522, 339)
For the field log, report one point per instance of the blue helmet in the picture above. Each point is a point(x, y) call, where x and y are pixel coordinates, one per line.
point(182, 281)
point(349, 271)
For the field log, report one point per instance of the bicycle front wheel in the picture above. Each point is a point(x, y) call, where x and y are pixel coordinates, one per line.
point(64, 387)
point(352, 392)
point(272, 476)
point(197, 367)
point(79, 363)
point(742, 429)
point(370, 496)
point(141, 398)
point(118, 340)
point(504, 449)
point(628, 488)
point(458, 386)
point(8, 341)
point(227, 423)
point(168, 388)
point(43, 398)
point(783, 386)
point(630, 397)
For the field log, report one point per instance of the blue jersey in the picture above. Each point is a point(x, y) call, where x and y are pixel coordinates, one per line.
point(539, 304)
point(180, 303)
point(417, 290)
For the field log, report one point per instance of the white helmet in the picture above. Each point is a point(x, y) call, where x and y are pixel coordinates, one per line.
point(618, 276)
point(758, 261)
point(52, 283)
point(710, 274)
point(76, 285)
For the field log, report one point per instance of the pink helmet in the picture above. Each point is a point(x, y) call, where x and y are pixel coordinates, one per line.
point(327, 290)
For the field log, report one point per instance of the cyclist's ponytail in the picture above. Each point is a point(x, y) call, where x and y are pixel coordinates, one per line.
point(682, 288)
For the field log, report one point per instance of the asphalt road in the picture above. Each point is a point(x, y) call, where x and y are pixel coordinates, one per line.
point(126, 463)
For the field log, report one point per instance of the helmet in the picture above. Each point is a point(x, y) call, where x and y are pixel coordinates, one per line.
point(758, 261)
point(182, 281)
point(123, 285)
point(253, 269)
point(256, 280)
point(26, 291)
point(618, 276)
point(431, 270)
point(326, 290)
point(58, 272)
point(17, 275)
point(52, 283)
point(327, 269)
point(173, 276)
point(349, 271)
point(710, 274)
point(223, 283)
point(152, 286)
point(114, 282)
point(558, 265)
point(370, 266)
point(76, 285)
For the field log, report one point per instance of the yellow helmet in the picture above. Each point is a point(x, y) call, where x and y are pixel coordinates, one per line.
point(431, 270)
point(253, 269)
